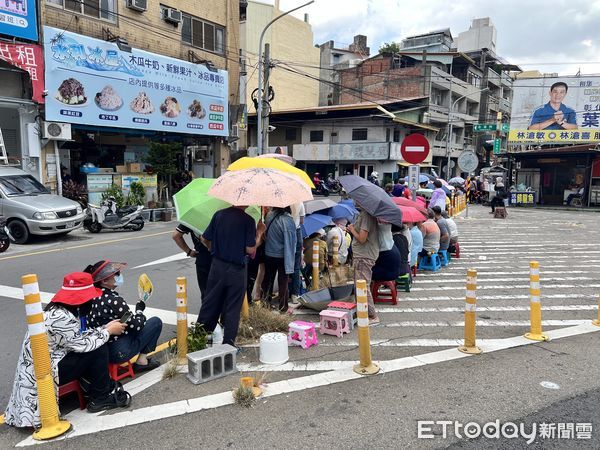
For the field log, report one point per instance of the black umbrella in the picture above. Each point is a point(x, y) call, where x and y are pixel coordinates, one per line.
point(372, 199)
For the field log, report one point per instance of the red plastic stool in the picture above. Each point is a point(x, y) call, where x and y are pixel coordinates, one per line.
point(384, 297)
point(456, 253)
point(414, 271)
point(72, 386)
point(118, 372)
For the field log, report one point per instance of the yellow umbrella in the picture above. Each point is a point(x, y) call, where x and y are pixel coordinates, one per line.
point(270, 163)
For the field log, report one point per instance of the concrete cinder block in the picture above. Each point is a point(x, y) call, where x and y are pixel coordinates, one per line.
point(210, 363)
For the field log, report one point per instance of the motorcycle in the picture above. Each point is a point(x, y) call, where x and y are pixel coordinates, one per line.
point(108, 216)
point(333, 185)
point(5, 236)
point(320, 189)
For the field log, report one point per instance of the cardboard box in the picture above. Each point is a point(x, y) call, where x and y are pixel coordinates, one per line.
point(134, 167)
point(121, 169)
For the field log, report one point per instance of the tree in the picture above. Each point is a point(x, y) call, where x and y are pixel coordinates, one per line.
point(391, 47)
point(163, 160)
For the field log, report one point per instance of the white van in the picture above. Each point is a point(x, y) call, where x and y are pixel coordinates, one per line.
point(30, 208)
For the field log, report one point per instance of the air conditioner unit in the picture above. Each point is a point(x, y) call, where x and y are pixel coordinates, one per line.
point(57, 131)
point(172, 15)
point(138, 5)
point(234, 131)
point(201, 153)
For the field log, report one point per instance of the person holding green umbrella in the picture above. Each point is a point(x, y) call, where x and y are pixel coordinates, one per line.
point(195, 208)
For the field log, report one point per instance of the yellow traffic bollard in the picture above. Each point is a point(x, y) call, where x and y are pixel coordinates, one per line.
point(315, 265)
point(52, 426)
point(336, 251)
point(182, 324)
point(245, 312)
point(470, 314)
point(535, 305)
point(366, 366)
point(597, 321)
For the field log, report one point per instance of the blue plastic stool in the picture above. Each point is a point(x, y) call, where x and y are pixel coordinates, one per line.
point(431, 262)
point(444, 257)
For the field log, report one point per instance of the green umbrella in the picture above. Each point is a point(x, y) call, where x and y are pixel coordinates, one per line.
point(195, 208)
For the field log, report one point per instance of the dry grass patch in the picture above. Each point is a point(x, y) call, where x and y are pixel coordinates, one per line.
point(261, 320)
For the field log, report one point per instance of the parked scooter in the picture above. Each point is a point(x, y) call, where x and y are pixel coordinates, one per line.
point(107, 216)
point(321, 189)
point(5, 236)
point(333, 185)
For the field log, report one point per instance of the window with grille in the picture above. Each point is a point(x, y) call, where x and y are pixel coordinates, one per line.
point(359, 134)
point(316, 136)
point(99, 9)
point(205, 35)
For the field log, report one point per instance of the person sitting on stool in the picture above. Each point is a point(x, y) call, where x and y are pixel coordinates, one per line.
point(571, 197)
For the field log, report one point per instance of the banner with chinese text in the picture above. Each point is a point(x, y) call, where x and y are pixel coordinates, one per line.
point(555, 110)
point(28, 57)
point(92, 82)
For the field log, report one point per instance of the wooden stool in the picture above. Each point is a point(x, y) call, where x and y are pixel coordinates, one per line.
point(347, 307)
point(500, 212)
point(69, 388)
point(334, 323)
point(118, 371)
point(384, 297)
point(302, 334)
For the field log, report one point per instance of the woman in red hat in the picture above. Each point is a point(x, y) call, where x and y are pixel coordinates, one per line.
point(76, 351)
point(141, 335)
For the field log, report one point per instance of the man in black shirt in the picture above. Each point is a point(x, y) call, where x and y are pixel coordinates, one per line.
point(200, 252)
point(231, 236)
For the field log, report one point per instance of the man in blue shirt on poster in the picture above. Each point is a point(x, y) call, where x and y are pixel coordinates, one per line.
point(554, 115)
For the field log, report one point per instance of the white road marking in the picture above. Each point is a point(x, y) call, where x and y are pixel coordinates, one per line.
point(483, 323)
point(151, 413)
point(489, 280)
point(177, 257)
point(167, 317)
point(516, 286)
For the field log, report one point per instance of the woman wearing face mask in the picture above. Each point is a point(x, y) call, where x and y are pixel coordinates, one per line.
point(140, 336)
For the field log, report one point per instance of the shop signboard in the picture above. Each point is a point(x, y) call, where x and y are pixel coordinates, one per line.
point(413, 177)
point(30, 58)
point(18, 18)
point(92, 82)
point(148, 181)
point(522, 198)
point(555, 110)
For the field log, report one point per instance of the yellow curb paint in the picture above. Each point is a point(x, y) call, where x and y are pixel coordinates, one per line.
point(75, 247)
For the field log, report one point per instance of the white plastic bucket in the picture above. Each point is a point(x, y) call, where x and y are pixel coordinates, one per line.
point(273, 348)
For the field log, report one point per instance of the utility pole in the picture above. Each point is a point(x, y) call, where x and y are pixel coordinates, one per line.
point(259, 125)
point(265, 100)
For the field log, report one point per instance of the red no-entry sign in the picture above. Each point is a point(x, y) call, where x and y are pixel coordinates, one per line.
point(415, 148)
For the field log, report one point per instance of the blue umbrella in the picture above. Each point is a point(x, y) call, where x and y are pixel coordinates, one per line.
point(314, 222)
point(342, 210)
point(372, 199)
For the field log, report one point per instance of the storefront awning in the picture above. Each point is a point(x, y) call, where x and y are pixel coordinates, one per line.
point(415, 124)
point(423, 164)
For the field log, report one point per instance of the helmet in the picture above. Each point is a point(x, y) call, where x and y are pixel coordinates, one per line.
point(330, 175)
point(317, 174)
point(374, 174)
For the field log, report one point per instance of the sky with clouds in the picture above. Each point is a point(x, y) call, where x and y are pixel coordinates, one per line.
point(549, 36)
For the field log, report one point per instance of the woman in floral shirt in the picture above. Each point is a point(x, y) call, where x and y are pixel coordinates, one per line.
point(77, 352)
point(140, 336)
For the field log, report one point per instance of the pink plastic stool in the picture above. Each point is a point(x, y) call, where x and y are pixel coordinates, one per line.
point(302, 334)
point(334, 323)
point(347, 307)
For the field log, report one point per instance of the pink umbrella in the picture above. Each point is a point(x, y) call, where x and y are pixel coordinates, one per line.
point(410, 214)
point(258, 186)
point(401, 201)
point(284, 158)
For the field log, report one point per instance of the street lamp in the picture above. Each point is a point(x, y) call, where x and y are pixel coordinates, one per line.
point(449, 134)
point(259, 131)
